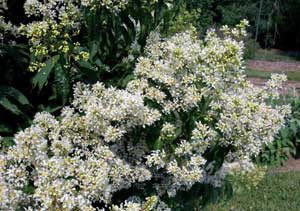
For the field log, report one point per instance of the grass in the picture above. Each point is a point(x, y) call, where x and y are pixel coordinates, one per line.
point(276, 55)
point(291, 75)
point(277, 192)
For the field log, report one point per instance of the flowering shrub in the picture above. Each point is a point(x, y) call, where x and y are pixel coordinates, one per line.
point(187, 114)
point(75, 29)
point(244, 175)
point(48, 46)
point(286, 143)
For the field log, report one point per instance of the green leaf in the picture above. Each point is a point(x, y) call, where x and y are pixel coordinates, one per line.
point(298, 122)
point(124, 81)
point(86, 65)
point(94, 49)
point(284, 133)
point(158, 144)
point(5, 103)
point(51, 110)
point(294, 126)
point(7, 141)
point(16, 94)
point(99, 63)
point(62, 84)
point(5, 129)
point(41, 77)
point(29, 189)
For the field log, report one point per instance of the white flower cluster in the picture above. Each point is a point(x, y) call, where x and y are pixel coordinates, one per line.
point(59, 8)
point(275, 84)
point(237, 167)
point(114, 5)
point(246, 121)
point(179, 72)
point(184, 74)
point(70, 161)
point(58, 23)
point(135, 204)
point(192, 91)
point(7, 29)
point(243, 122)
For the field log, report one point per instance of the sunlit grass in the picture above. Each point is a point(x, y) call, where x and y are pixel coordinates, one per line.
point(277, 192)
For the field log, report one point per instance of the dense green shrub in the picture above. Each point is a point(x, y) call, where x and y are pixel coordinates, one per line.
point(250, 48)
point(278, 25)
point(15, 106)
point(185, 20)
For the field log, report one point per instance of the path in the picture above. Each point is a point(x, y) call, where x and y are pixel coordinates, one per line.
point(291, 164)
point(276, 67)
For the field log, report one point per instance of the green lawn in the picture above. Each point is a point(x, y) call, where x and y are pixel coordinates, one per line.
point(291, 75)
point(277, 192)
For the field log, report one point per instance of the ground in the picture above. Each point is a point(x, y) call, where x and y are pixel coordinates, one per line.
point(266, 62)
point(291, 165)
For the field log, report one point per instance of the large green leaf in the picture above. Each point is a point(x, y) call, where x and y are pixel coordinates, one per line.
point(86, 65)
point(158, 144)
point(41, 77)
point(14, 93)
point(5, 103)
point(93, 49)
point(62, 83)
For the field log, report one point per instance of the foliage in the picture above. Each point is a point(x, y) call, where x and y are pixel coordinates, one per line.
point(90, 42)
point(250, 48)
point(275, 192)
point(278, 25)
point(206, 13)
point(287, 142)
point(185, 20)
point(288, 25)
point(248, 179)
point(184, 119)
point(279, 151)
point(62, 42)
point(15, 106)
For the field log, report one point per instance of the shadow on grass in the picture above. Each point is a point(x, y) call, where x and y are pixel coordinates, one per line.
point(277, 192)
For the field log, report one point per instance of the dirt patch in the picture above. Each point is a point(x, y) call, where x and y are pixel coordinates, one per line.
point(273, 66)
point(292, 164)
point(289, 87)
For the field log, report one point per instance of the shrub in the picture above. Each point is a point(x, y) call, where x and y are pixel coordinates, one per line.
point(185, 20)
point(250, 48)
point(286, 143)
point(57, 43)
point(186, 114)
